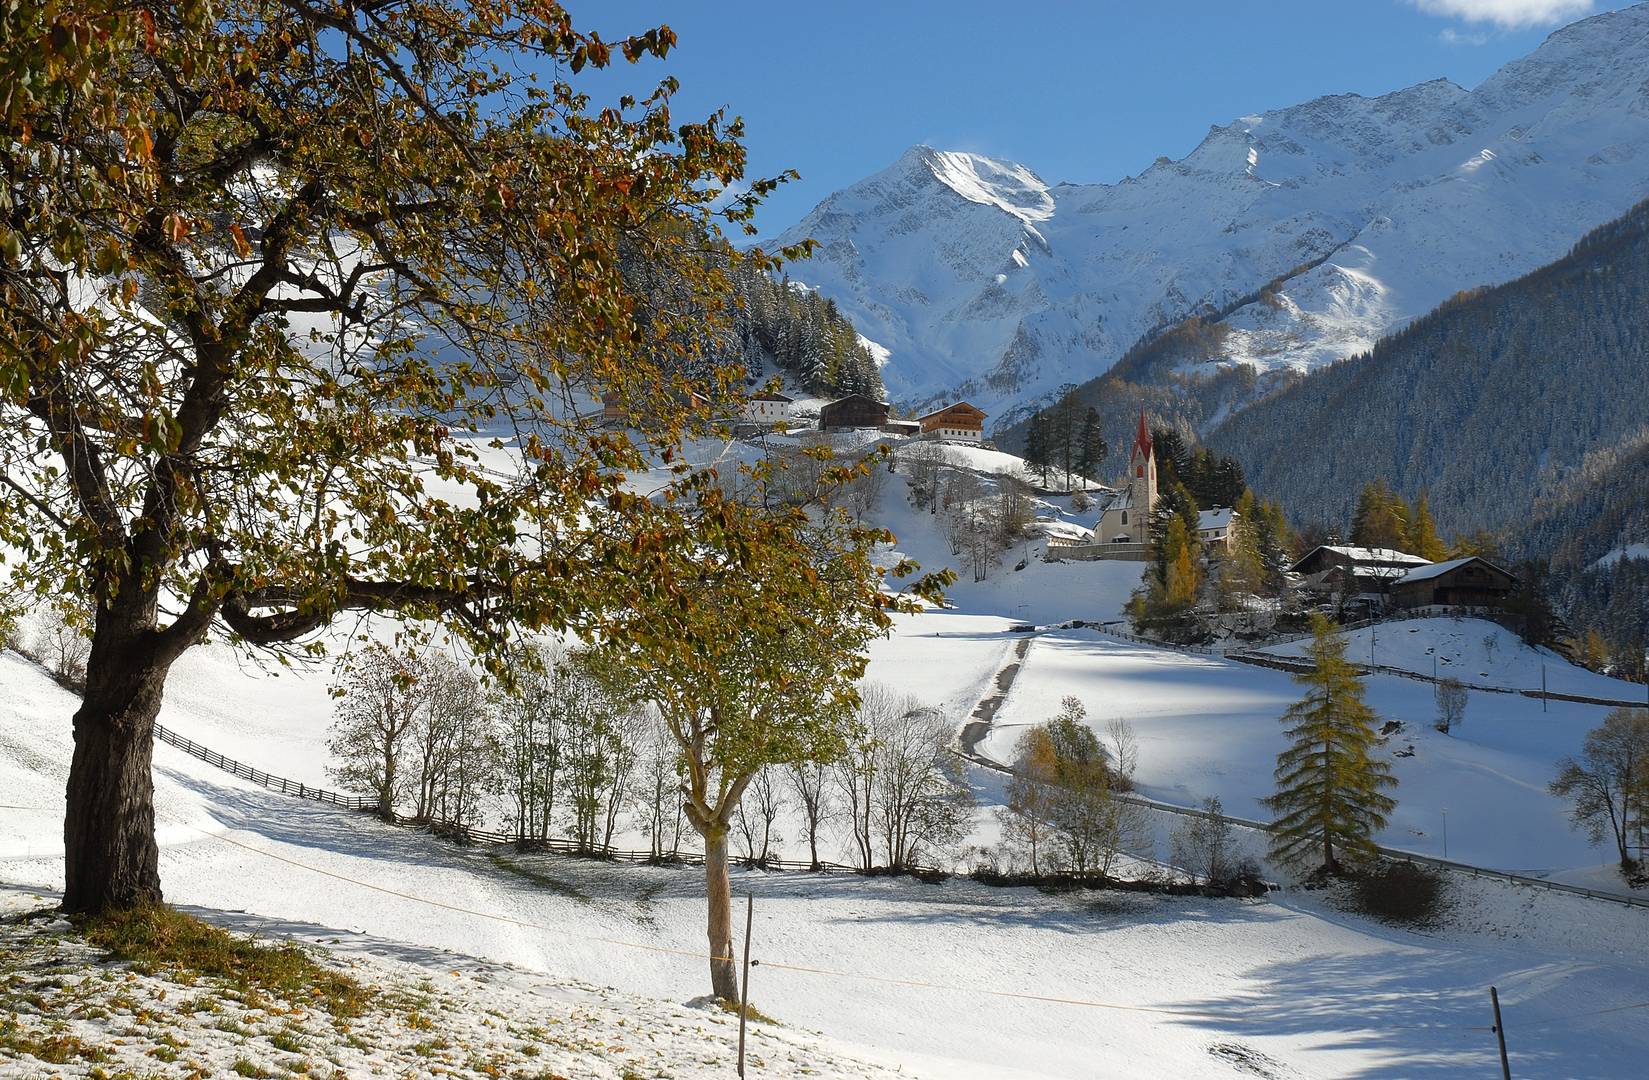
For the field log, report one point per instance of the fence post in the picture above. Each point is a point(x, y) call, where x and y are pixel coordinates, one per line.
point(744, 984)
point(1499, 1034)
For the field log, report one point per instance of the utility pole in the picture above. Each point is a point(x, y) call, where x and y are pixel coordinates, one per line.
point(1500, 1035)
point(1543, 698)
point(1445, 832)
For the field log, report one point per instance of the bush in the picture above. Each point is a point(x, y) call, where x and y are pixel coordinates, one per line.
point(1399, 892)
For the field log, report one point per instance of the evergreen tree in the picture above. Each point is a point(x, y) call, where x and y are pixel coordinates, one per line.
point(1173, 503)
point(1172, 457)
point(1038, 454)
point(1330, 796)
point(1092, 450)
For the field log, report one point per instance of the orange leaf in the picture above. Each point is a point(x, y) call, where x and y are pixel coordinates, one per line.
point(241, 246)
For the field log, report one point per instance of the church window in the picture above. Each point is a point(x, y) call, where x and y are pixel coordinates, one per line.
point(1139, 471)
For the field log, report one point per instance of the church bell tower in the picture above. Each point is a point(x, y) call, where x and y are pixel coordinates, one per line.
point(1142, 483)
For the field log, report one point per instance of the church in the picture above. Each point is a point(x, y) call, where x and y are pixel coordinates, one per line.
point(1123, 531)
point(1127, 520)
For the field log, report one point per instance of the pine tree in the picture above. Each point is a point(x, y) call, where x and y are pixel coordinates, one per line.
point(1330, 787)
point(1091, 451)
point(1038, 454)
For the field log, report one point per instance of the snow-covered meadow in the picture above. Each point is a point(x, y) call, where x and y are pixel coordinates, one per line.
point(1145, 985)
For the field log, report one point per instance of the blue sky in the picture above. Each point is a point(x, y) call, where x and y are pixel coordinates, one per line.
point(1077, 91)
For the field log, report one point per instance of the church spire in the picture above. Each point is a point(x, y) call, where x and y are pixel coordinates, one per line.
point(1142, 440)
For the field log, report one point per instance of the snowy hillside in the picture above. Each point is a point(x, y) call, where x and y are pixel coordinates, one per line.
point(1209, 726)
point(942, 981)
point(986, 282)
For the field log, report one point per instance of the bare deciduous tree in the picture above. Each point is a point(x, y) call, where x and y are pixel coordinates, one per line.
point(378, 706)
point(1123, 751)
point(758, 814)
point(530, 717)
point(1451, 704)
point(1204, 846)
point(1028, 817)
point(451, 739)
point(658, 788)
point(61, 642)
point(810, 783)
point(922, 464)
point(1608, 788)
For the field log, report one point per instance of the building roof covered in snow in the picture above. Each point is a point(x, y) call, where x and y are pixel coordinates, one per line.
point(1218, 518)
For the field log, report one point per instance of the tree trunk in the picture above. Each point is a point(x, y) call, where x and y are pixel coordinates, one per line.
point(724, 972)
point(111, 860)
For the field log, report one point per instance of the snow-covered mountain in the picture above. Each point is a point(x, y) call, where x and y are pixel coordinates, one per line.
point(984, 281)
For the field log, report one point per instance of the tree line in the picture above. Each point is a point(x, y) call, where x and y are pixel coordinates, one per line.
point(777, 323)
point(564, 751)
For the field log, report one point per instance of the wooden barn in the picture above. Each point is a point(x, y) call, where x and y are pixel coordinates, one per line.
point(1468, 582)
point(959, 421)
point(1330, 568)
point(853, 411)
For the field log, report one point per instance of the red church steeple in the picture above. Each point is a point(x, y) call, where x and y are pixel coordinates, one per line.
point(1142, 441)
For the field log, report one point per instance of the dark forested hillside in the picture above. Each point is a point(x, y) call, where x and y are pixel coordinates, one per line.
point(1492, 402)
point(1585, 529)
point(801, 334)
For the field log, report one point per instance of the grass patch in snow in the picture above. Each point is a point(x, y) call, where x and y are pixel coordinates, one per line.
point(158, 938)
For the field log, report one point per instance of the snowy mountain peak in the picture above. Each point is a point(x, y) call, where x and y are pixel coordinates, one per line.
point(984, 282)
point(1008, 186)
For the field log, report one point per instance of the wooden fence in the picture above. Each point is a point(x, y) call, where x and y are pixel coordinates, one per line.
point(258, 776)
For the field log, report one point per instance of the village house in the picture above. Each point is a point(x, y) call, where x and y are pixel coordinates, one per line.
point(959, 422)
point(767, 408)
point(1214, 527)
point(853, 412)
point(1468, 582)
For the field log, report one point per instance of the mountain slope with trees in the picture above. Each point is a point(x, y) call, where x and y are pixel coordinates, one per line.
point(1491, 403)
point(779, 325)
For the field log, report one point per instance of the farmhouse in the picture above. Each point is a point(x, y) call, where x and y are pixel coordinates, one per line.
point(767, 408)
point(1338, 568)
point(1214, 527)
point(851, 412)
point(1468, 582)
point(959, 421)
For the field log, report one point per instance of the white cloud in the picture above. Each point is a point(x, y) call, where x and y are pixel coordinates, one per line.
point(1451, 36)
point(1506, 13)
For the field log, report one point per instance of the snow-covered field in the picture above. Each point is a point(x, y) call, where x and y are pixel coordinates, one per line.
point(1144, 985)
point(1476, 652)
point(1209, 726)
